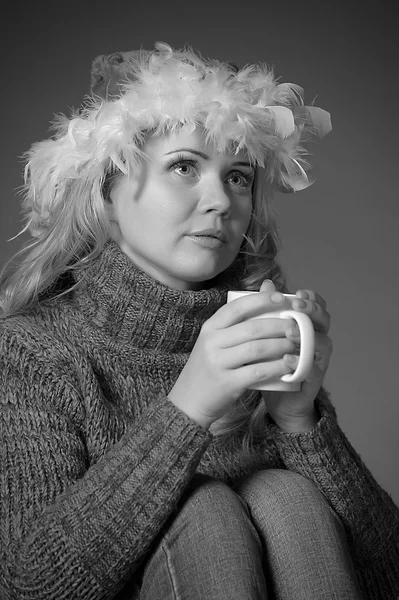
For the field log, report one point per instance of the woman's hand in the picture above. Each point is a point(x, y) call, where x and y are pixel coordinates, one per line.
point(232, 354)
point(295, 411)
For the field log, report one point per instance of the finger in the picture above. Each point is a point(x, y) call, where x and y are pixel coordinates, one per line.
point(322, 354)
point(241, 309)
point(258, 373)
point(323, 351)
point(311, 295)
point(267, 286)
point(255, 329)
point(320, 317)
point(255, 351)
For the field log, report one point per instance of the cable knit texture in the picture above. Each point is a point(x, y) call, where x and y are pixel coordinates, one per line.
point(94, 457)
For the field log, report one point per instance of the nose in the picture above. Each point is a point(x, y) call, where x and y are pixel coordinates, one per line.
point(215, 198)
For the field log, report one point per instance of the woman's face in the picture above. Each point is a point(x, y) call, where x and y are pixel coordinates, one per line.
point(160, 217)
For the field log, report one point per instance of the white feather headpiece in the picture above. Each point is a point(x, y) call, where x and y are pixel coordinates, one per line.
point(161, 91)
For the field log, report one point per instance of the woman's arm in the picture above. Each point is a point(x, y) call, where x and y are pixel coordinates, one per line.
point(68, 529)
point(370, 517)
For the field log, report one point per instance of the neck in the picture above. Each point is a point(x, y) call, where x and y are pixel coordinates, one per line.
point(122, 302)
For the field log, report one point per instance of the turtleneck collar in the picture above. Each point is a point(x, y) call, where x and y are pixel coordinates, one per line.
point(119, 301)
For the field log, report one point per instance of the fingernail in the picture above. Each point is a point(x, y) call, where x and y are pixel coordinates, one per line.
point(293, 330)
point(290, 359)
point(302, 294)
point(301, 303)
point(276, 297)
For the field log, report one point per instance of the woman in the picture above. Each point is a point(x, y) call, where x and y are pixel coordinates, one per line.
point(135, 462)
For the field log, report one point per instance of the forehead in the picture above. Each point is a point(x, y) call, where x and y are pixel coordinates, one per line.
point(187, 138)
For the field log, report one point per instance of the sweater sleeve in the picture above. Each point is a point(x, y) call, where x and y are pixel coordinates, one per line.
point(70, 530)
point(369, 515)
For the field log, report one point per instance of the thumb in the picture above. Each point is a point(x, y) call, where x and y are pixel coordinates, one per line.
point(267, 286)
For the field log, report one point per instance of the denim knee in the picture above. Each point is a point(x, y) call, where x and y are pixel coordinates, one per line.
point(209, 548)
point(208, 503)
point(284, 493)
point(305, 548)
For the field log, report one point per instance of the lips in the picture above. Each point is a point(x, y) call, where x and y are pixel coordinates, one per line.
point(207, 241)
point(210, 233)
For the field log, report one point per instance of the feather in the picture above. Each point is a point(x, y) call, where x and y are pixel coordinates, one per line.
point(303, 172)
point(289, 93)
point(162, 91)
point(284, 120)
point(117, 161)
point(79, 132)
point(321, 120)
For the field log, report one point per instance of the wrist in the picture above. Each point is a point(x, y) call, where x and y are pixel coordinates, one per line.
point(298, 424)
point(204, 422)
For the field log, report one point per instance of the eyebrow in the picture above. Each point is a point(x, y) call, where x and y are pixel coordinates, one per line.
point(206, 157)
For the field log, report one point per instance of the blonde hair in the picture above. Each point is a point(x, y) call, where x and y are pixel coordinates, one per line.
point(67, 177)
point(76, 238)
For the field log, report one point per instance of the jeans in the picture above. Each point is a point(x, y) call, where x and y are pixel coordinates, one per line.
point(273, 536)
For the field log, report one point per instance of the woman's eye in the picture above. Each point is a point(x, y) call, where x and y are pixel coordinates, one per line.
point(183, 167)
point(244, 180)
point(241, 180)
point(186, 167)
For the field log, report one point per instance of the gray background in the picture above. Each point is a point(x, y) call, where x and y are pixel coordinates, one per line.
point(339, 236)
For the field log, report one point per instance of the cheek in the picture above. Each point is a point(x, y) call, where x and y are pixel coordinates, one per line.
point(244, 212)
point(240, 223)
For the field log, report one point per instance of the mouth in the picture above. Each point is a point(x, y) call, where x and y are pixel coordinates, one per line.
point(211, 234)
point(209, 241)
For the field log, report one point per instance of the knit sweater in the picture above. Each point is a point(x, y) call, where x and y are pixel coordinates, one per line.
point(94, 456)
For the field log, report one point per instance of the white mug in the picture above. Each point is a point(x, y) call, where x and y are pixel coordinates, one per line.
point(290, 382)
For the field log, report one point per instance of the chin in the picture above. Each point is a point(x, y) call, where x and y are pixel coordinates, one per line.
point(204, 273)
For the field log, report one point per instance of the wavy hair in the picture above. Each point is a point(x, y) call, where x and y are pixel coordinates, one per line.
point(67, 216)
point(76, 238)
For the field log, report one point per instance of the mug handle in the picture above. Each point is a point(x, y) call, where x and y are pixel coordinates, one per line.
point(306, 356)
